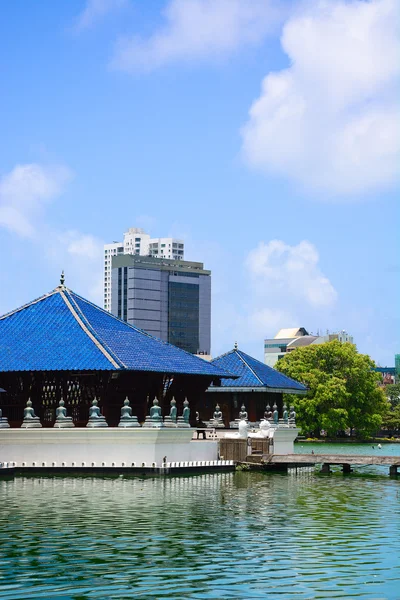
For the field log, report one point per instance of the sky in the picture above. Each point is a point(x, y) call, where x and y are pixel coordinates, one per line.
point(264, 133)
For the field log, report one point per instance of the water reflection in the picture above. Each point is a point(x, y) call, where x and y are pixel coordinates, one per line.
point(226, 535)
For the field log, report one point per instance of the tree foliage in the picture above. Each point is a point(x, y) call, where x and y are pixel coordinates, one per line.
point(393, 394)
point(391, 420)
point(343, 389)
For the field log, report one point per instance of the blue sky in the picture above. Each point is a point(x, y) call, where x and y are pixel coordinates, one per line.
point(264, 133)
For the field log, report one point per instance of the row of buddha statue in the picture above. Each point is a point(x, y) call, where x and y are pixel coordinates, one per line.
point(288, 417)
point(96, 419)
point(153, 419)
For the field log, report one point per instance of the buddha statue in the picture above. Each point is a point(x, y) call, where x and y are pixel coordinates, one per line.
point(292, 416)
point(96, 419)
point(275, 414)
point(62, 420)
point(170, 420)
point(155, 411)
point(217, 419)
point(3, 421)
point(243, 414)
point(268, 413)
point(154, 419)
point(127, 419)
point(285, 414)
point(183, 421)
point(31, 421)
point(186, 411)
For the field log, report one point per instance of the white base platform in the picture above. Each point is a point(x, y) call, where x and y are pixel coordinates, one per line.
point(103, 447)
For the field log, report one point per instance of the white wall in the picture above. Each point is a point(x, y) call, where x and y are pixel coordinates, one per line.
point(79, 447)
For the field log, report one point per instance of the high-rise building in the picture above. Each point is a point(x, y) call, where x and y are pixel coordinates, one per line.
point(138, 242)
point(287, 340)
point(168, 298)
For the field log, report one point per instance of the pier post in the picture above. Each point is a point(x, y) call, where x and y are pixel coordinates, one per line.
point(393, 470)
point(326, 468)
point(346, 468)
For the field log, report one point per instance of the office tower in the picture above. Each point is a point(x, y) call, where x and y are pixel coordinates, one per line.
point(138, 242)
point(168, 298)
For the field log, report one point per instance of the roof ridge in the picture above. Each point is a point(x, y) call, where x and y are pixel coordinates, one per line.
point(88, 329)
point(240, 353)
point(223, 355)
point(137, 329)
point(12, 312)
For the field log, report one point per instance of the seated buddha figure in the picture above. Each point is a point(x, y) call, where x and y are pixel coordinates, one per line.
point(243, 413)
point(61, 416)
point(30, 419)
point(96, 419)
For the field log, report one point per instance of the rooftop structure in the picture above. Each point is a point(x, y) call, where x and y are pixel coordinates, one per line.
point(63, 346)
point(256, 386)
point(138, 242)
point(252, 373)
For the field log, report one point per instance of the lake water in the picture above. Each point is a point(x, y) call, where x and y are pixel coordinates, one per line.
point(227, 535)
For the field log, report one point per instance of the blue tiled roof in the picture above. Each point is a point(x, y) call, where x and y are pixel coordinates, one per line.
point(62, 331)
point(252, 373)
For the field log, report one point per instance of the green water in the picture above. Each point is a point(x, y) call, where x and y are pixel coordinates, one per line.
point(226, 535)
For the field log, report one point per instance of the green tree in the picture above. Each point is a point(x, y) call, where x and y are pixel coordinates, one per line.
point(391, 421)
point(393, 394)
point(343, 389)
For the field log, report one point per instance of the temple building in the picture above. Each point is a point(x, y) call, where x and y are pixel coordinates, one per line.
point(63, 347)
point(256, 385)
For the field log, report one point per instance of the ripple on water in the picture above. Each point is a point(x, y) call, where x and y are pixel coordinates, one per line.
point(237, 535)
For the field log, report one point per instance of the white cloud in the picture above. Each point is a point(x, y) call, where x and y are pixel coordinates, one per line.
point(282, 272)
point(95, 10)
point(279, 285)
point(83, 245)
point(24, 192)
point(79, 255)
point(331, 120)
point(199, 30)
point(263, 320)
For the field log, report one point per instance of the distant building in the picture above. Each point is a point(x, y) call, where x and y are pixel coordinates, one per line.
point(287, 340)
point(138, 242)
point(170, 299)
point(390, 375)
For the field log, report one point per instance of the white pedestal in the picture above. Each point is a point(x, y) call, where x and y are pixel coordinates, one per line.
point(107, 447)
point(283, 439)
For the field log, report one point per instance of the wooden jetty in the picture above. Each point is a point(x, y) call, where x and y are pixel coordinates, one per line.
point(327, 460)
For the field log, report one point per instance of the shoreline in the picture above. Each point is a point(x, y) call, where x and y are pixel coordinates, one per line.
point(347, 441)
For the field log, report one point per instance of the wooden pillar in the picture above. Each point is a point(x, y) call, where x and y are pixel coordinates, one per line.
point(393, 470)
point(252, 410)
point(326, 468)
point(346, 468)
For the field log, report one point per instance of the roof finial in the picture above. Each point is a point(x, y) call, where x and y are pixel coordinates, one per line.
point(235, 346)
point(62, 278)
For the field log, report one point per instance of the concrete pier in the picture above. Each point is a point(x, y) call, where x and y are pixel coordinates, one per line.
point(327, 460)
